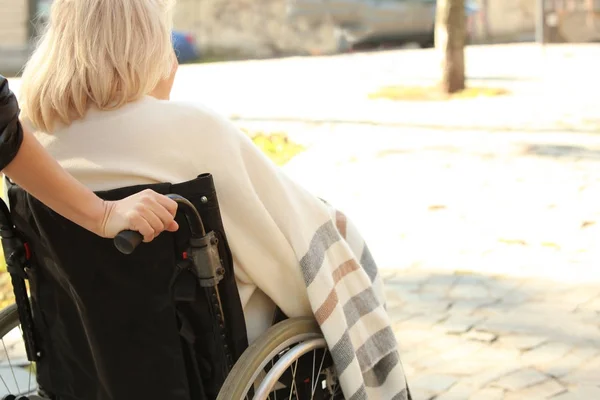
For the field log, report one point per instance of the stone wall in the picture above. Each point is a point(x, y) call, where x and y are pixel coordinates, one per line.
point(255, 28)
point(13, 23)
point(567, 20)
point(578, 26)
point(507, 17)
point(14, 36)
point(261, 27)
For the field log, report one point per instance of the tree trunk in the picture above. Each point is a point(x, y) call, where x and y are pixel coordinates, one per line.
point(450, 35)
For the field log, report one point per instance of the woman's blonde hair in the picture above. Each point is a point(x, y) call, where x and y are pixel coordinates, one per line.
point(96, 53)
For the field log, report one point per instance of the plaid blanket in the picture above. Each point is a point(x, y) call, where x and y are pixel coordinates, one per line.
point(347, 296)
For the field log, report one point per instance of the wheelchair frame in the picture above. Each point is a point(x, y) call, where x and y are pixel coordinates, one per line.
point(283, 345)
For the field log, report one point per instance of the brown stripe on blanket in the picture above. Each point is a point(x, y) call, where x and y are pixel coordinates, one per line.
point(376, 348)
point(341, 223)
point(327, 307)
point(322, 240)
point(332, 299)
point(377, 375)
point(360, 305)
point(344, 269)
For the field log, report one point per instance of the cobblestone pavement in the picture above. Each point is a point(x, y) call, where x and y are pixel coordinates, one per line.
point(480, 337)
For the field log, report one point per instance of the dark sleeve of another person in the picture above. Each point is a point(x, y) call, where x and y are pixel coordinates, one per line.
point(11, 131)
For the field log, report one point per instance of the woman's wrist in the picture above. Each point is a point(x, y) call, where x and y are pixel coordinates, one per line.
point(93, 215)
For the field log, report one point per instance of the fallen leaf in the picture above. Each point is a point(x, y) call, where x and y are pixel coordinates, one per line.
point(513, 241)
point(437, 207)
point(550, 244)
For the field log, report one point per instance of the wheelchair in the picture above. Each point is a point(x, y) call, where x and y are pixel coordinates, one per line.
point(158, 321)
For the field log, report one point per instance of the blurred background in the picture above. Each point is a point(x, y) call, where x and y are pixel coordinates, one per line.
point(234, 29)
point(463, 139)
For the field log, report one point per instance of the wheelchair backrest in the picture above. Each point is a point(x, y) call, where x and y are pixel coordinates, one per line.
point(139, 326)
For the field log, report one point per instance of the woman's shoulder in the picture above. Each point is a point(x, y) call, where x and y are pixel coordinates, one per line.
point(183, 109)
point(193, 119)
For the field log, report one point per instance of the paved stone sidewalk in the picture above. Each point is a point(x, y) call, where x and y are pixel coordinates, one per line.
point(480, 337)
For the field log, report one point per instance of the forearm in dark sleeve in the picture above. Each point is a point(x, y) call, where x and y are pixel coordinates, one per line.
point(11, 131)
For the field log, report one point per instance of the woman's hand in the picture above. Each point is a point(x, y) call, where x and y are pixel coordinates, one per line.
point(146, 212)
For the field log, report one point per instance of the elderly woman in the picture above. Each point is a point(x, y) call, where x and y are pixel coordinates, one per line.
point(24, 161)
point(96, 92)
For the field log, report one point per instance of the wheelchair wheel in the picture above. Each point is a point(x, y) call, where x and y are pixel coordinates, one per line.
point(17, 374)
point(290, 361)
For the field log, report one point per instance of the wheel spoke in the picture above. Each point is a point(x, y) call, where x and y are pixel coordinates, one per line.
point(10, 365)
point(1, 377)
point(315, 378)
point(272, 365)
point(294, 380)
point(29, 381)
point(313, 372)
point(5, 385)
point(31, 366)
point(336, 389)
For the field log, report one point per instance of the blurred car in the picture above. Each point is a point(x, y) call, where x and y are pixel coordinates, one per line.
point(374, 21)
point(185, 47)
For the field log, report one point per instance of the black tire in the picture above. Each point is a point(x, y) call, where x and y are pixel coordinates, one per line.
point(9, 319)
